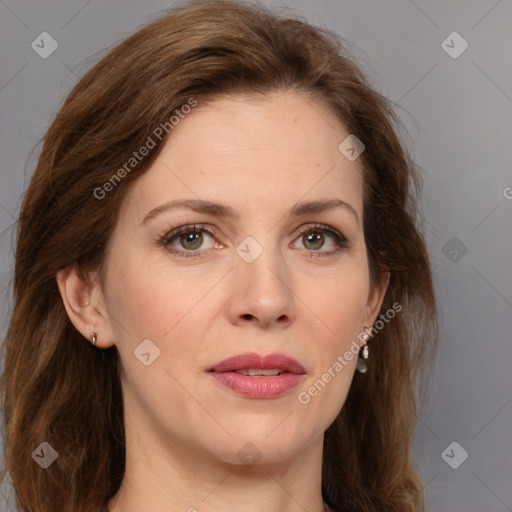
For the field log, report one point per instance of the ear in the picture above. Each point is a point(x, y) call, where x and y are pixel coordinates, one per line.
point(84, 302)
point(376, 297)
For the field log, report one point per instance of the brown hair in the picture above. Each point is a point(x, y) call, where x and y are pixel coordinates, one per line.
point(58, 388)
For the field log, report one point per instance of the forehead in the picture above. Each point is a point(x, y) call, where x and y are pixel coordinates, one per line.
point(266, 154)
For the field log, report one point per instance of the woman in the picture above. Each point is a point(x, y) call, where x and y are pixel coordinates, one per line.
point(222, 297)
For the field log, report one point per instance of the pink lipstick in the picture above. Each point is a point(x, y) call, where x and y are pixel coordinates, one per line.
point(257, 376)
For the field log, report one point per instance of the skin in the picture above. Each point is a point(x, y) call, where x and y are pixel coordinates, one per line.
point(184, 430)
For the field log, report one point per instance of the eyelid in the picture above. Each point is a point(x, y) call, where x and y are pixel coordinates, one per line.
point(172, 233)
point(320, 227)
point(337, 235)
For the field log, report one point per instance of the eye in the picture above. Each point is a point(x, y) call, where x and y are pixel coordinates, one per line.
point(188, 241)
point(188, 238)
point(317, 236)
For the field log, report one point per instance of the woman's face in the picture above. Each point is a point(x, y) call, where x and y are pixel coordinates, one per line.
point(242, 279)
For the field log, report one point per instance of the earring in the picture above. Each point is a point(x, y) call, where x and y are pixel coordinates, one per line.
point(363, 353)
point(94, 338)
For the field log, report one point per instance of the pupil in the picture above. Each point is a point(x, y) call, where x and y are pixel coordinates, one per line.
point(314, 239)
point(192, 238)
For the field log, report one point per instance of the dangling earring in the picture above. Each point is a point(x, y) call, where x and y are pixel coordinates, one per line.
point(363, 353)
point(94, 338)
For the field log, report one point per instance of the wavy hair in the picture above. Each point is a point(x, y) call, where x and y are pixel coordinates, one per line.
point(58, 388)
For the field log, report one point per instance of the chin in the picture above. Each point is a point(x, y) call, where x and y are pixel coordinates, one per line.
point(267, 443)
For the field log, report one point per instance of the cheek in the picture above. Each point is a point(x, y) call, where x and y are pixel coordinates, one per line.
point(340, 301)
point(343, 304)
point(151, 302)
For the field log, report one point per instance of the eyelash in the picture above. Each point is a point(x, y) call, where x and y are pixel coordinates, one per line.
point(341, 241)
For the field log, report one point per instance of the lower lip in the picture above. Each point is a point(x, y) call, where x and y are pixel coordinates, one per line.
point(258, 387)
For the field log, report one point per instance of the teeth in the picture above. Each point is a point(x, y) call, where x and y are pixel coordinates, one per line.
point(254, 372)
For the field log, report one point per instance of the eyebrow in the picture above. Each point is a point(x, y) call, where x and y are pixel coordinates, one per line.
point(223, 210)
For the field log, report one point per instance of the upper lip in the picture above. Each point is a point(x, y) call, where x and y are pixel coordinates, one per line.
point(258, 361)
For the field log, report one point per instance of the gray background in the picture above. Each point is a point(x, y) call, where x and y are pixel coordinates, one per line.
point(458, 114)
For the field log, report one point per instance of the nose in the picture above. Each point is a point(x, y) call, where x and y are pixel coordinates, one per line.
point(261, 292)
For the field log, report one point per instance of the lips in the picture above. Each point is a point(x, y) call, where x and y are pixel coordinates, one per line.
point(249, 361)
point(257, 376)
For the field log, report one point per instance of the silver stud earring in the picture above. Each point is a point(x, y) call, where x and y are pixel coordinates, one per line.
point(94, 338)
point(363, 353)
